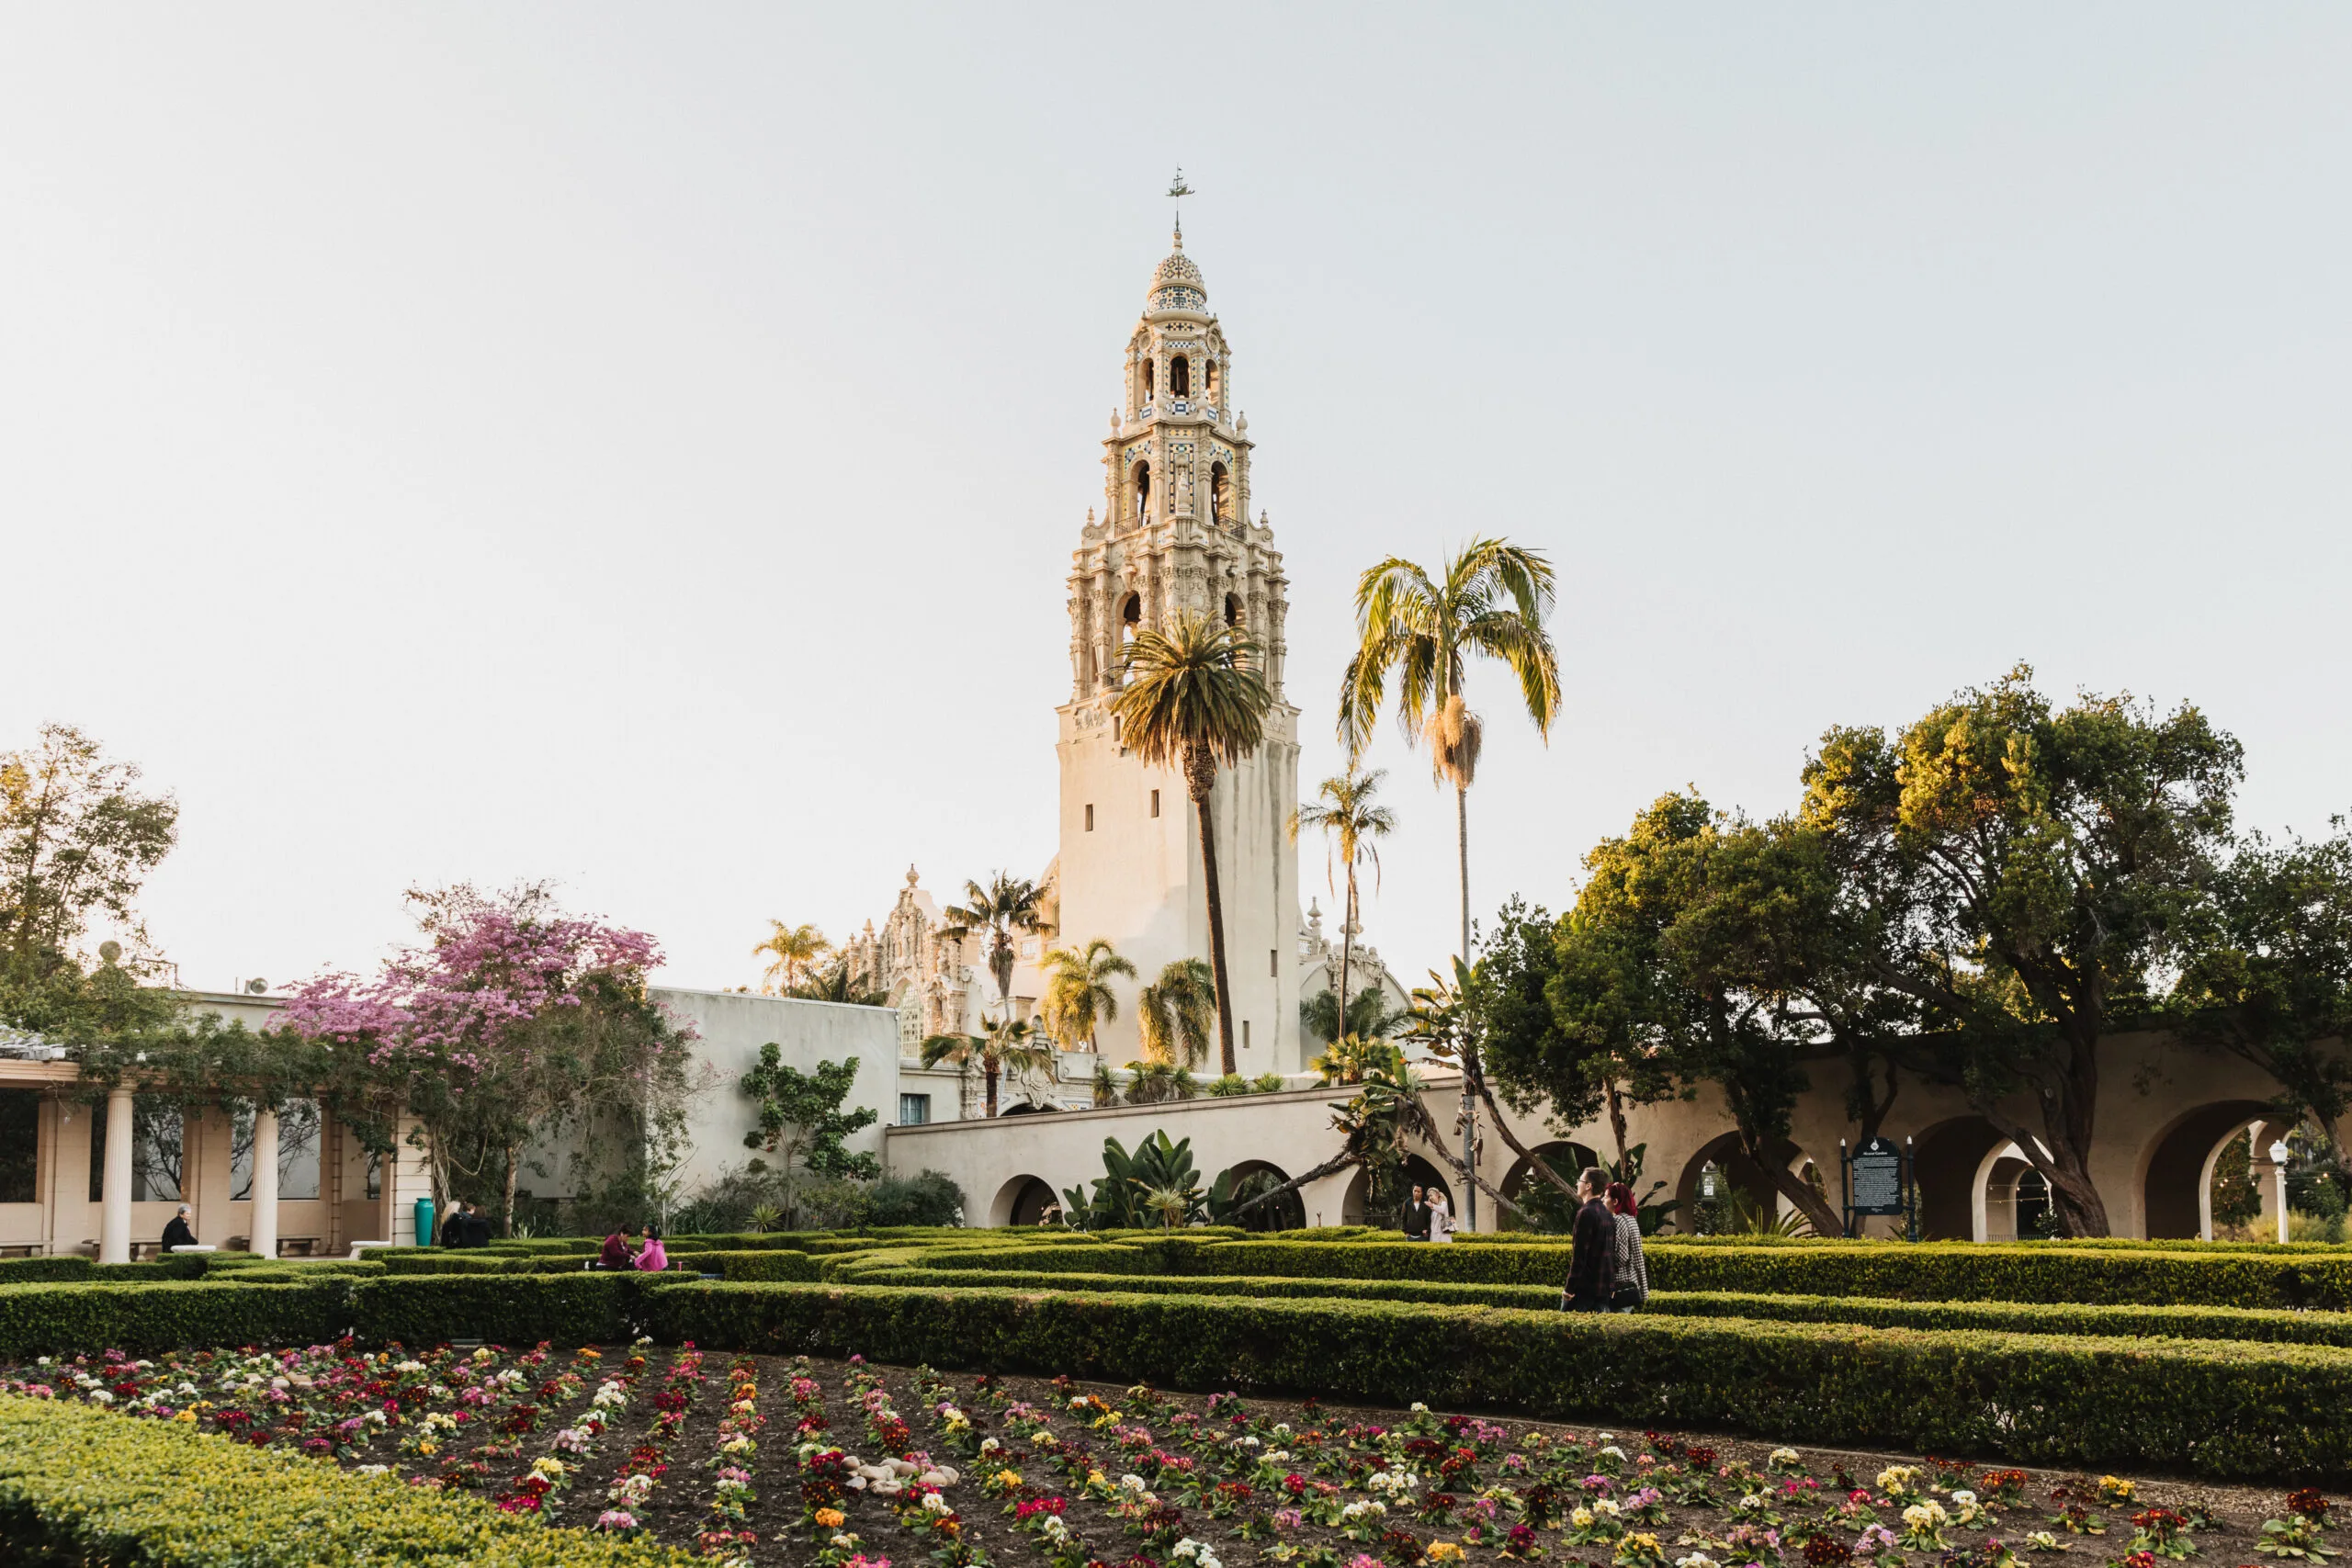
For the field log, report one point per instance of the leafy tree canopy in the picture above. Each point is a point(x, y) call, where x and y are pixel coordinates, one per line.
point(801, 1117)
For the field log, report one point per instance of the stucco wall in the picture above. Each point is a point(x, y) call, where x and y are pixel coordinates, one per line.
point(734, 1026)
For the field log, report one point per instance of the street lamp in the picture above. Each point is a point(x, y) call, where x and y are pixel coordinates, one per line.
point(2279, 1152)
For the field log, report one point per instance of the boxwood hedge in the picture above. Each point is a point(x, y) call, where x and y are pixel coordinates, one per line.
point(2274, 1326)
point(2223, 1409)
point(79, 1485)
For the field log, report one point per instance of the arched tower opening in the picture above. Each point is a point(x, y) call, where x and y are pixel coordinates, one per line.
point(1180, 378)
point(1149, 366)
point(1220, 493)
point(1233, 609)
point(1142, 490)
point(1208, 381)
point(1130, 618)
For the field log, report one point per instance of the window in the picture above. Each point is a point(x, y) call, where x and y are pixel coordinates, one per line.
point(1155, 803)
point(1274, 961)
point(915, 1110)
point(1208, 379)
point(1143, 490)
point(1146, 380)
point(1244, 1035)
point(1090, 817)
point(297, 1152)
point(1180, 378)
point(154, 1151)
point(375, 1174)
point(1130, 617)
point(1233, 609)
point(1220, 493)
point(20, 1142)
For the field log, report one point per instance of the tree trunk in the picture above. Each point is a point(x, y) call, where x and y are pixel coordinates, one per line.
point(513, 1158)
point(1536, 1162)
point(1347, 950)
point(1616, 1118)
point(1336, 1163)
point(1816, 1208)
point(1469, 1104)
point(1199, 773)
point(988, 1074)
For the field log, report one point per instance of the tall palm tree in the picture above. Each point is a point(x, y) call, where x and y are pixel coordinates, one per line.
point(1195, 696)
point(792, 951)
point(1006, 905)
point(1174, 1013)
point(1350, 825)
point(1078, 990)
point(1006, 1046)
point(1489, 600)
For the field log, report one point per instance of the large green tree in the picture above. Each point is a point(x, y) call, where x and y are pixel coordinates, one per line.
point(1195, 696)
point(77, 841)
point(2037, 868)
point(802, 1119)
point(1007, 904)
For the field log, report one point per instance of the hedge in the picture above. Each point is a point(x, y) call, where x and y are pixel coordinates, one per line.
point(2272, 1326)
point(72, 1265)
point(1957, 1271)
point(2224, 1410)
point(80, 1485)
point(68, 1319)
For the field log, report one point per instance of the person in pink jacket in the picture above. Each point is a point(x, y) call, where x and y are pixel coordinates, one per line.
point(651, 1257)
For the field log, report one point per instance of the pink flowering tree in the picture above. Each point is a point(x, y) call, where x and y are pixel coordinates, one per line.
point(509, 1026)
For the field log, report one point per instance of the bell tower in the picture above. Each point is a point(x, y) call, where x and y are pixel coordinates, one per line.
point(1174, 535)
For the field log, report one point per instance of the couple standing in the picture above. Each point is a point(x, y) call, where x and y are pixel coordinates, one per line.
point(1606, 1271)
point(1428, 1217)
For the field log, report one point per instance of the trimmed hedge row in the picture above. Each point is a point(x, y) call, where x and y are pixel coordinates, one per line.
point(2224, 1410)
point(182, 1266)
point(79, 1485)
point(770, 1264)
point(2265, 1327)
point(1954, 1272)
point(68, 1319)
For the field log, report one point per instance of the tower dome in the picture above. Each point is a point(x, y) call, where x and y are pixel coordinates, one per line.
point(1176, 282)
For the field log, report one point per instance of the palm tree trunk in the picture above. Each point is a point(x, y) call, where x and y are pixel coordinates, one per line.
point(1346, 948)
point(1469, 1101)
point(1199, 773)
point(988, 1074)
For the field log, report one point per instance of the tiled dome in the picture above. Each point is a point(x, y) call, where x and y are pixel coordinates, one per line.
point(1176, 282)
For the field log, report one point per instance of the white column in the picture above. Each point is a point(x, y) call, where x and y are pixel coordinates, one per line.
point(2279, 1162)
point(265, 1217)
point(114, 1200)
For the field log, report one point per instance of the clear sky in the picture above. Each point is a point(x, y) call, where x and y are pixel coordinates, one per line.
point(641, 446)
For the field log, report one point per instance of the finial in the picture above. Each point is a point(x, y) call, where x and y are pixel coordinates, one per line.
point(1179, 241)
point(911, 876)
point(1177, 191)
point(1116, 423)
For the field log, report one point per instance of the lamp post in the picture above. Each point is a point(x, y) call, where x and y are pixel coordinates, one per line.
point(2279, 1152)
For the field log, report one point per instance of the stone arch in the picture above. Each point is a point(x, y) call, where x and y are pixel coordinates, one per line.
point(1180, 377)
point(1233, 609)
point(1733, 1167)
point(1139, 486)
point(1952, 1161)
point(2177, 1165)
point(1021, 1201)
point(1287, 1213)
point(1564, 1157)
point(1150, 368)
point(1220, 496)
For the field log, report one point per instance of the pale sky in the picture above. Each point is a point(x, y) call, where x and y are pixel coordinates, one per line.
point(641, 446)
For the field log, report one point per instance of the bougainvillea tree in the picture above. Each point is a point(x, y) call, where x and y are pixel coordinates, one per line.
point(511, 1024)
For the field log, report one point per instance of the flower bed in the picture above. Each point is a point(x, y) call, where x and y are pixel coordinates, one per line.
point(648, 1448)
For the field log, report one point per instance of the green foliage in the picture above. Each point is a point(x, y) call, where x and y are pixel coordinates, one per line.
point(1369, 1015)
point(1175, 1015)
point(926, 1198)
point(1230, 1086)
point(76, 844)
point(1154, 1187)
point(2223, 1410)
point(81, 1486)
point(801, 1116)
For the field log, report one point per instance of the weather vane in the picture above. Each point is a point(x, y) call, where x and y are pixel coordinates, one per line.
point(1177, 191)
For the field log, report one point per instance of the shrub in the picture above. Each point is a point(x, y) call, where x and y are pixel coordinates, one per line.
point(2227, 1410)
point(771, 1263)
point(64, 1319)
point(78, 1484)
point(929, 1198)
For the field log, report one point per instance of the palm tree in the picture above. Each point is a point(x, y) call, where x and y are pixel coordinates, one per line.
point(1174, 1013)
point(1193, 696)
point(1006, 905)
point(834, 983)
point(1078, 990)
point(1007, 1047)
point(793, 950)
point(1350, 823)
point(1491, 600)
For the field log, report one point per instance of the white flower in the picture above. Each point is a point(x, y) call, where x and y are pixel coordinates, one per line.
point(1419, 1409)
point(934, 1503)
point(1613, 1451)
point(371, 1470)
point(1965, 1499)
point(1696, 1560)
point(1581, 1517)
point(1753, 1500)
point(1052, 1529)
point(989, 1445)
point(1602, 1508)
point(1785, 1457)
point(1134, 1483)
point(409, 1369)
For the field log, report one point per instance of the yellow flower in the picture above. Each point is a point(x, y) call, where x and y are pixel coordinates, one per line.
point(1446, 1551)
point(831, 1518)
point(2114, 1489)
point(185, 1416)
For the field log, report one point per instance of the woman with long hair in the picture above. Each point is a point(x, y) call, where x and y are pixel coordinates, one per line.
point(1632, 1275)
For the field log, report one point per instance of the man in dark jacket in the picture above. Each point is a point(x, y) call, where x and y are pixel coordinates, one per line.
point(176, 1233)
point(477, 1226)
point(1417, 1217)
point(453, 1231)
point(1592, 1253)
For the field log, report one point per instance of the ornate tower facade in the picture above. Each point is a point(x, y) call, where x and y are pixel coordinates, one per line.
point(1174, 535)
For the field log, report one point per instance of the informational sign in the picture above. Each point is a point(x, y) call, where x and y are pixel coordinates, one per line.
point(1878, 1177)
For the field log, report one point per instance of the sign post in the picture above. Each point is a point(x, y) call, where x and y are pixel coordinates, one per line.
point(1877, 1181)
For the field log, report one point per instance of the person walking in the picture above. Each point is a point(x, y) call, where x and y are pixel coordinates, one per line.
point(1417, 1217)
point(1441, 1216)
point(1633, 1284)
point(651, 1258)
point(1592, 1251)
